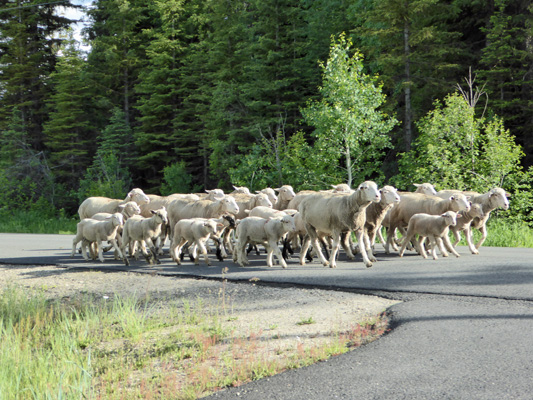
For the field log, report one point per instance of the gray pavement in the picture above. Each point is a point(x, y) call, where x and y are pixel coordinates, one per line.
point(463, 330)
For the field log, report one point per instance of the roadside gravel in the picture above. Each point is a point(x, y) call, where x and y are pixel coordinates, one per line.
point(269, 312)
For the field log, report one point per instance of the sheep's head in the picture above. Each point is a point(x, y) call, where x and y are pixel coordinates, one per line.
point(138, 196)
point(241, 189)
point(118, 219)
point(129, 209)
point(425, 188)
point(210, 226)
point(262, 199)
point(288, 223)
point(228, 220)
point(161, 215)
point(389, 195)
point(450, 218)
point(341, 188)
point(229, 205)
point(215, 194)
point(476, 210)
point(286, 192)
point(369, 191)
point(498, 198)
point(270, 193)
point(460, 202)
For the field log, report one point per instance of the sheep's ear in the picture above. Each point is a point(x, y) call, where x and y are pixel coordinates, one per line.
point(121, 206)
point(507, 194)
point(152, 211)
point(459, 216)
point(417, 184)
point(257, 191)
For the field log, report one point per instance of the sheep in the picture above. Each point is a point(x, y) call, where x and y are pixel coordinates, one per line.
point(212, 194)
point(340, 188)
point(258, 230)
point(435, 228)
point(93, 205)
point(424, 188)
point(270, 193)
point(156, 202)
point(180, 209)
point(476, 211)
point(90, 230)
point(493, 199)
point(127, 210)
point(144, 231)
point(196, 232)
point(414, 203)
point(240, 189)
point(249, 202)
point(285, 195)
point(338, 214)
point(375, 212)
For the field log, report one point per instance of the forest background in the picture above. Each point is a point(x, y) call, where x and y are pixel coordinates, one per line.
point(186, 95)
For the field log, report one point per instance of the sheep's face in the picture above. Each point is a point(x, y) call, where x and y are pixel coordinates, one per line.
point(241, 189)
point(460, 202)
point(450, 218)
point(270, 193)
point(215, 194)
point(288, 223)
point(263, 200)
point(161, 215)
point(138, 196)
point(286, 192)
point(498, 198)
point(476, 210)
point(425, 188)
point(229, 205)
point(341, 188)
point(369, 191)
point(210, 227)
point(228, 220)
point(118, 219)
point(389, 195)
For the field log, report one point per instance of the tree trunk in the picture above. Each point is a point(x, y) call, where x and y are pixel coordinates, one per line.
point(407, 85)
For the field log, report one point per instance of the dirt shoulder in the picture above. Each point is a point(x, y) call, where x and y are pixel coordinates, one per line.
point(267, 312)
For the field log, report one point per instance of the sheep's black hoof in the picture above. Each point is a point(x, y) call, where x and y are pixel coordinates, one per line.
point(219, 255)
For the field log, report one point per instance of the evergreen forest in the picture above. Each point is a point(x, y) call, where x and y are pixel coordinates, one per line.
point(187, 95)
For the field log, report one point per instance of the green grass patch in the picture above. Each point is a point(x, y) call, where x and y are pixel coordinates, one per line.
point(117, 348)
point(504, 233)
point(34, 222)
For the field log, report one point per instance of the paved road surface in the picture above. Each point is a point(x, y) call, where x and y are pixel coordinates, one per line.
point(464, 330)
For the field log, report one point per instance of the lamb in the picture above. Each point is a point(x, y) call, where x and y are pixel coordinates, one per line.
point(285, 195)
point(144, 231)
point(435, 228)
point(338, 214)
point(258, 230)
point(476, 211)
point(91, 230)
point(93, 205)
point(267, 213)
point(196, 232)
point(414, 203)
point(493, 199)
point(375, 212)
point(270, 193)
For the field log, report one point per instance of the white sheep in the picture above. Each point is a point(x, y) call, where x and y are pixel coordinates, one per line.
point(90, 231)
point(195, 232)
point(240, 189)
point(375, 212)
point(414, 203)
point(285, 195)
point(211, 194)
point(93, 205)
point(464, 225)
point(493, 199)
point(268, 232)
point(335, 214)
point(270, 193)
point(143, 231)
point(433, 227)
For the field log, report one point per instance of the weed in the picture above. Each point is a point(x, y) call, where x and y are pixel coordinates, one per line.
point(306, 321)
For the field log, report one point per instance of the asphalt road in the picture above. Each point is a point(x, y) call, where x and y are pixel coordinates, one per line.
point(463, 331)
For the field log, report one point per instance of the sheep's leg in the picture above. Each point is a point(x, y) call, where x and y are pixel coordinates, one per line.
point(359, 235)
point(115, 245)
point(303, 250)
point(433, 241)
point(390, 239)
point(334, 249)
point(368, 247)
point(314, 239)
point(193, 254)
point(345, 241)
point(153, 250)
point(175, 249)
point(468, 235)
point(443, 251)
point(145, 252)
point(448, 245)
point(203, 250)
point(100, 252)
point(274, 249)
point(407, 238)
point(379, 232)
point(75, 244)
point(483, 230)
point(239, 253)
point(457, 237)
point(84, 245)
point(421, 247)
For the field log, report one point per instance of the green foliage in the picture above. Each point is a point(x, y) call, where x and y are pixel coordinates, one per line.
point(176, 179)
point(349, 127)
point(275, 161)
point(456, 150)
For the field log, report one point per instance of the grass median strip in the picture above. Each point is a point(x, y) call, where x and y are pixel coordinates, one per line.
point(116, 347)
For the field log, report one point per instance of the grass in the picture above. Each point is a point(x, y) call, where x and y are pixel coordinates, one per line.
point(116, 348)
point(34, 222)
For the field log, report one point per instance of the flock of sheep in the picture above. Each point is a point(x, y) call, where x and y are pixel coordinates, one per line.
point(313, 220)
